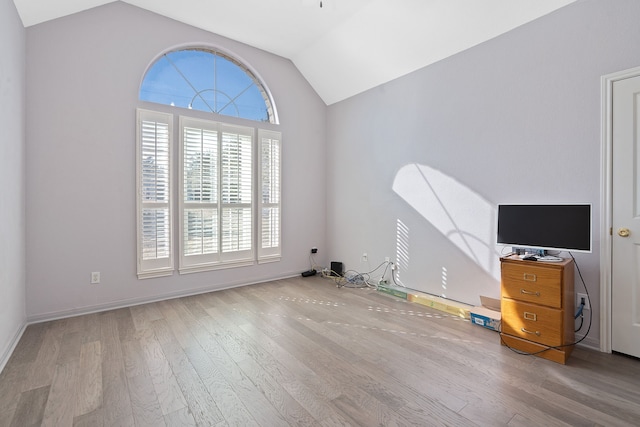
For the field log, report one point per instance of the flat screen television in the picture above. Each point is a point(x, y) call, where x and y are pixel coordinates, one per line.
point(545, 227)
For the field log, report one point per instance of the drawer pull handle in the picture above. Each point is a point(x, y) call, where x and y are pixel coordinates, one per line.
point(529, 277)
point(530, 316)
point(523, 292)
point(536, 333)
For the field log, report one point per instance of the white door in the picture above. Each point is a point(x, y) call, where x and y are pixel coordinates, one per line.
point(625, 278)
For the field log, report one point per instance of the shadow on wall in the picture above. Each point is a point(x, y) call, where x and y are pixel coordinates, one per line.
point(460, 214)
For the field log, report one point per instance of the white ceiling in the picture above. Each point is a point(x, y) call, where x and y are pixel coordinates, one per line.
point(345, 47)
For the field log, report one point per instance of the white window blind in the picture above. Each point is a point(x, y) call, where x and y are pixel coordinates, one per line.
point(154, 134)
point(216, 195)
point(269, 208)
point(200, 191)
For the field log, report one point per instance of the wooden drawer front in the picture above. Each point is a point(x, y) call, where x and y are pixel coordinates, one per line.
point(532, 322)
point(532, 284)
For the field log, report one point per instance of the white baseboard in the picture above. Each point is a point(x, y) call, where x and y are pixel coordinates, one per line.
point(6, 354)
point(46, 317)
point(8, 351)
point(589, 343)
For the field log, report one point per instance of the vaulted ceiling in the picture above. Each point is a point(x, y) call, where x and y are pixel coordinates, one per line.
point(342, 47)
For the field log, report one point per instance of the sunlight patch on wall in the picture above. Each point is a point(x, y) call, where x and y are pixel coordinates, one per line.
point(444, 282)
point(402, 249)
point(456, 211)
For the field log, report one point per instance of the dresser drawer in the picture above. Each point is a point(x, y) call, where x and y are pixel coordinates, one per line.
point(532, 322)
point(530, 283)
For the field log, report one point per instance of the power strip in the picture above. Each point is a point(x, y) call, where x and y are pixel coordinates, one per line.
point(309, 273)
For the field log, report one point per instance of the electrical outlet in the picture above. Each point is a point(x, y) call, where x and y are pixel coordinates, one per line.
point(580, 298)
point(314, 250)
point(364, 257)
point(386, 259)
point(95, 277)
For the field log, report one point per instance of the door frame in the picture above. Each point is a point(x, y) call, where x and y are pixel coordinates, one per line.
point(606, 203)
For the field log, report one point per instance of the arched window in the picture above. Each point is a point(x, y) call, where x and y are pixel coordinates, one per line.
point(207, 80)
point(227, 185)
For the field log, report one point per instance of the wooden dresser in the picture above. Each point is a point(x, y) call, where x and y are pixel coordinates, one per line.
point(538, 306)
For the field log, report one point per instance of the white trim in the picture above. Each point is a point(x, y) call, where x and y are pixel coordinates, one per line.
point(197, 268)
point(183, 264)
point(98, 308)
point(606, 202)
point(266, 260)
point(152, 274)
point(162, 266)
point(6, 355)
point(271, 254)
point(216, 48)
point(219, 259)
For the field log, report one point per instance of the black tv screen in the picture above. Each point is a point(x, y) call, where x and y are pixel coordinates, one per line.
point(550, 227)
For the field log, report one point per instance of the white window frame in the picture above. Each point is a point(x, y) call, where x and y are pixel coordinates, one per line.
point(195, 262)
point(158, 266)
point(258, 252)
point(219, 258)
point(272, 141)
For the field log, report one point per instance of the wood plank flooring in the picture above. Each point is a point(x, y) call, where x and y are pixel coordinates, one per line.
point(300, 352)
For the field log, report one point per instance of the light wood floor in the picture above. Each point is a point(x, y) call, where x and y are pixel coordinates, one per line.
point(300, 352)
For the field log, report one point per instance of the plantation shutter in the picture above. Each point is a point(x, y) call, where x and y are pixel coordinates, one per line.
point(236, 193)
point(199, 241)
point(154, 216)
point(269, 208)
point(215, 196)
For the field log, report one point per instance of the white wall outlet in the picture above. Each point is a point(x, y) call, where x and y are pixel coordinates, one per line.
point(580, 298)
point(386, 259)
point(95, 277)
point(365, 257)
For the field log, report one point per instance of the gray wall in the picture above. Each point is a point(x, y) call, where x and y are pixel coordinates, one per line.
point(83, 74)
point(417, 166)
point(12, 169)
point(428, 156)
